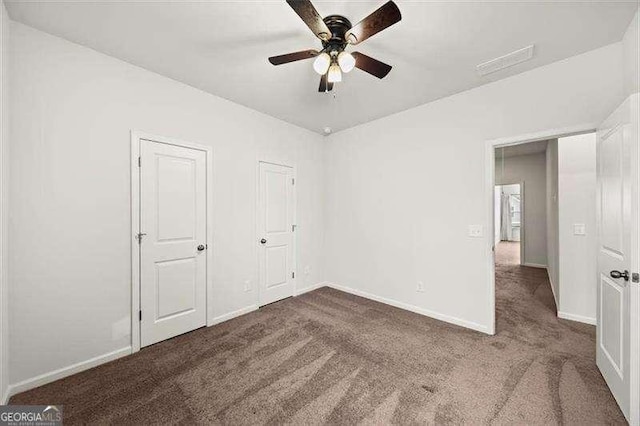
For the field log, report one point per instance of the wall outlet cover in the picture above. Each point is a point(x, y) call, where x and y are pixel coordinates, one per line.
point(475, 231)
point(579, 229)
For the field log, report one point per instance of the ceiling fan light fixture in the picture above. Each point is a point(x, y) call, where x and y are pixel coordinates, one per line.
point(336, 34)
point(335, 75)
point(322, 62)
point(346, 61)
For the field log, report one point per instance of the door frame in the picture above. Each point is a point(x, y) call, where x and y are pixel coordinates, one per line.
point(294, 240)
point(136, 138)
point(522, 217)
point(489, 173)
point(634, 397)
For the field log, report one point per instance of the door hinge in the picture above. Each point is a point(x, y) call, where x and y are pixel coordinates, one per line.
point(139, 237)
point(635, 277)
point(293, 228)
point(139, 161)
point(293, 181)
point(293, 275)
point(140, 315)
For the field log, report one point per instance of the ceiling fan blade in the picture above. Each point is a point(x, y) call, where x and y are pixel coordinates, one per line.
point(324, 85)
point(311, 17)
point(370, 65)
point(387, 15)
point(292, 57)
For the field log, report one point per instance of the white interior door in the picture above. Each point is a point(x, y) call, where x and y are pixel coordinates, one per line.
point(173, 211)
point(275, 232)
point(617, 174)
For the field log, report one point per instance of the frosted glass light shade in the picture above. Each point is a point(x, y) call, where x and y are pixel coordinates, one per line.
point(346, 61)
point(335, 75)
point(322, 62)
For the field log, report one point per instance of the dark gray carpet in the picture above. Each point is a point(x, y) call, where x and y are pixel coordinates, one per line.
point(330, 357)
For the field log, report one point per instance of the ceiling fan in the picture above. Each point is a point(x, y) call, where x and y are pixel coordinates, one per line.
point(336, 33)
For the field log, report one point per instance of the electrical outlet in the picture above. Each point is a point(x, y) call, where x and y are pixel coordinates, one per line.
point(475, 231)
point(579, 229)
point(247, 285)
point(420, 287)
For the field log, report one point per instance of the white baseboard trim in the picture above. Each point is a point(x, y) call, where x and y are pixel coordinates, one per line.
point(248, 309)
point(60, 373)
point(315, 286)
point(579, 318)
point(232, 315)
point(436, 315)
point(534, 265)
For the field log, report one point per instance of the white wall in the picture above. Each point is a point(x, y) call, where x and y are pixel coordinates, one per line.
point(4, 174)
point(70, 213)
point(577, 205)
point(553, 240)
point(530, 170)
point(390, 220)
point(631, 45)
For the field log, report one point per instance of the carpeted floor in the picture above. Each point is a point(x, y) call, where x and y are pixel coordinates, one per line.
point(508, 253)
point(330, 357)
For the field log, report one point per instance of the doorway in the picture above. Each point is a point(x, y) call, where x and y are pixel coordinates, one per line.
point(509, 226)
point(171, 247)
point(616, 333)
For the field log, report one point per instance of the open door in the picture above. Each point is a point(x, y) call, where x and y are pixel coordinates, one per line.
point(617, 310)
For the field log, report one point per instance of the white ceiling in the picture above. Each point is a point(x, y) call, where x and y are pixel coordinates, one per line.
point(222, 47)
point(522, 149)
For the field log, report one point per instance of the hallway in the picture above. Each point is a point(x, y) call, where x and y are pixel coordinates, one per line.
point(555, 353)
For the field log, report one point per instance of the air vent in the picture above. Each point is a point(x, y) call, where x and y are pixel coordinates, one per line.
point(506, 61)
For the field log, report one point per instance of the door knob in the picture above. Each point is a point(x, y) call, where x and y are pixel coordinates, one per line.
point(200, 247)
point(618, 274)
point(263, 241)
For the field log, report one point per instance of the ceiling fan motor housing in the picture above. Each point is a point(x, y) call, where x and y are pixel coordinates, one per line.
point(339, 25)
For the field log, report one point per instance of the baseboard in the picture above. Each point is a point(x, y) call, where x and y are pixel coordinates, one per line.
point(579, 318)
point(315, 286)
point(534, 265)
point(232, 315)
point(431, 314)
point(248, 309)
point(52, 376)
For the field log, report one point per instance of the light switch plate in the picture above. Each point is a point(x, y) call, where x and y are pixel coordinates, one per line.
point(579, 229)
point(475, 231)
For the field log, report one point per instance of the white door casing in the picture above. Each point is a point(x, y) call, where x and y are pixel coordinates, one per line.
point(173, 221)
point(276, 216)
point(617, 217)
